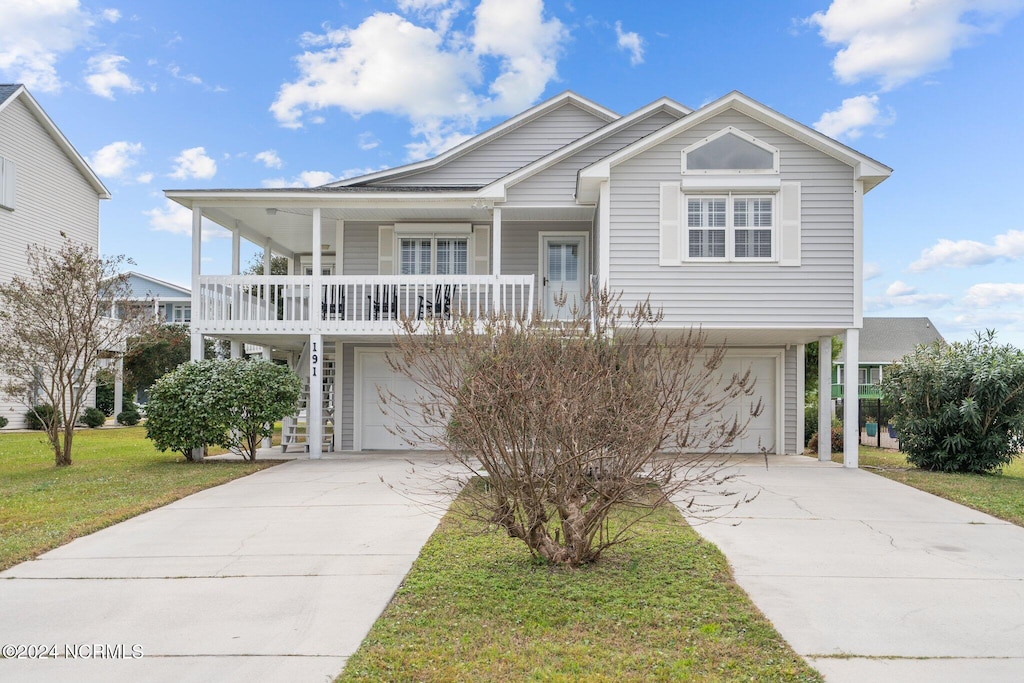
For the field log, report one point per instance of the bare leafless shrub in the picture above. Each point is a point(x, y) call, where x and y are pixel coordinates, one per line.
point(567, 420)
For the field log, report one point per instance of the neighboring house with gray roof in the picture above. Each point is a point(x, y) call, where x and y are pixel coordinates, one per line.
point(170, 303)
point(883, 341)
point(46, 188)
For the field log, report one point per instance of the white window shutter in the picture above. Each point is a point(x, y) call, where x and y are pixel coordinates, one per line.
point(481, 250)
point(7, 172)
point(386, 250)
point(789, 221)
point(669, 223)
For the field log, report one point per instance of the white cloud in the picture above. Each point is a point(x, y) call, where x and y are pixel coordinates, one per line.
point(304, 179)
point(852, 117)
point(111, 161)
point(946, 253)
point(899, 294)
point(175, 71)
point(988, 294)
point(897, 41)
point(871, 271)
point(367, 141)
point(269, 158)
point(33, 37)
point(112, 15)
point(434, 76)
point(440, 12)
point(436, 137)
point(105, 75)
point(194, 163)
point(631, 42)
point(144, 178)
point(175, 218)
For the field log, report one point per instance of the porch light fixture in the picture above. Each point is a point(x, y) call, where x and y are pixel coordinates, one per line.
point(271, 212)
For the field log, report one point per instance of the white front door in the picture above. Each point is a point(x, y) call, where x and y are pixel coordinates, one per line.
point(563, 261)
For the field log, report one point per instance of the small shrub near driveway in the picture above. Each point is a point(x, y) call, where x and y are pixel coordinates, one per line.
point(39, 416)
point(959, 407)
point(129, 417)
point(3, 422)
point(231, 403)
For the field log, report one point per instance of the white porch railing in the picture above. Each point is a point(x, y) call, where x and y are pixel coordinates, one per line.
point(351, 304)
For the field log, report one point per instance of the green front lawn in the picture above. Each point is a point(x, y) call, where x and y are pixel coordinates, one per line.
point(1000, 495)
point(116, 474)
point(661, 607)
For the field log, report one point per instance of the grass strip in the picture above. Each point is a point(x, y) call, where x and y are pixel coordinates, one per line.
point(663, 606)
point(116, 474)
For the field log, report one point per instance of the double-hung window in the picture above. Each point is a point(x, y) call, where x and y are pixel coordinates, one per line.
point(730, 227)
point(434, 255)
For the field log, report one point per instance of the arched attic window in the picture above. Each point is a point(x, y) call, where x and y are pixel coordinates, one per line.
point(728, 151)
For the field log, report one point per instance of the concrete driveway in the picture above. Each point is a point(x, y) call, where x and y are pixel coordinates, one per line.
point(871, 580)
point(276, 576)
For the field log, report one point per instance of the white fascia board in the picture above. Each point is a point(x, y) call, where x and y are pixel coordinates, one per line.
point(864, 167)
point(567, 97)
point(325, 200)
point(77, 159)
point(501, 185)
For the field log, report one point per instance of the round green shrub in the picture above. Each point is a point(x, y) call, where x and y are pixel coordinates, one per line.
point(129, 417)
point(959, 407)
point(3, 421)
point(38, 415)
point(93, 418)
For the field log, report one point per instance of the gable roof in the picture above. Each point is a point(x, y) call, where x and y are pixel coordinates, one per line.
point(883, 340)
point(477, 141)
point(184, 291)
point(865, 168)
point(12, 91)
point(663, 104)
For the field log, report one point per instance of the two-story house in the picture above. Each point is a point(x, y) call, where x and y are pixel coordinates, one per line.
point(731, 217)
point(46, 188)
point(170, 303)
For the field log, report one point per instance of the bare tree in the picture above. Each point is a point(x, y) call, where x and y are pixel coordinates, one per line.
point(565, 421)
point(55, 327)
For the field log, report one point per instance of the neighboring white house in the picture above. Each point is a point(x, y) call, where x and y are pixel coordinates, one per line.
point(46, 188)
point(732, 217)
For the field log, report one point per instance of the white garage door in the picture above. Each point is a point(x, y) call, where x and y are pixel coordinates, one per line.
point(372, 371)
point(761, 430)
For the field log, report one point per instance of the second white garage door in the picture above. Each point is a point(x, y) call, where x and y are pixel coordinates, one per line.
point(761, 432)
point(372, 421)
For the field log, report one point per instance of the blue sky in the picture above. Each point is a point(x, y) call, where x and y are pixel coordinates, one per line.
point(162, 95)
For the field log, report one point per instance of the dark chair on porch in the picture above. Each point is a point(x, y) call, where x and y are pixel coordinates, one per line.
point(383, 303)
point(438, 307)
point(332, 303)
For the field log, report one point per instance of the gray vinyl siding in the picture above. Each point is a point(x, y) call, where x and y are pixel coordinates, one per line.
point(790, 402)
point(360, 252)
point(511, 151)
point(51, 196)
point(557, 185)
point(818, 293)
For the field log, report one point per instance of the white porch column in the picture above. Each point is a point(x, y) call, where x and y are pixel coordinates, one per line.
point(851, 404)
point(236, 250)
point(267, 356)
point(315, 294)
point(496, 302)
point(604, 237)
point(236, 349)
point(824, 399)
point(315, 404)
point(197, 254)
point(268, 256)
point(801, 386)
point(119, 386)
point(339, 247)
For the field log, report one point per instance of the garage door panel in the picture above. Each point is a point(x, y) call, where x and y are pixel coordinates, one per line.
point(760, 432)
point(372, 374)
